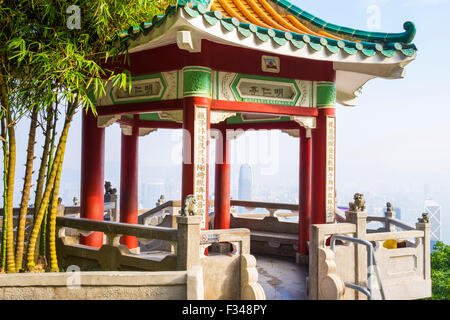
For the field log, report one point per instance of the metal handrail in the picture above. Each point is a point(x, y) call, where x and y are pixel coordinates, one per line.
point(371, 262)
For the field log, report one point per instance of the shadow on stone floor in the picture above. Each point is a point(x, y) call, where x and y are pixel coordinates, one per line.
point(281, 278)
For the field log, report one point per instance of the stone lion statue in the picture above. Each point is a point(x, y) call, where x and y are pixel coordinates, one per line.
point(389, 208)
point(110, 192)
point(424, 219)
point(160, 201)
point(359, 203)
point(190, 206)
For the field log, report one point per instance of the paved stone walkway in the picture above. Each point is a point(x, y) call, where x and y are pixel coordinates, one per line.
point(282, 278)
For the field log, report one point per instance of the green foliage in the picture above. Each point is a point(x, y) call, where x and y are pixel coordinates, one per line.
point(43, 52)
point(440, 271)
point(44, 59)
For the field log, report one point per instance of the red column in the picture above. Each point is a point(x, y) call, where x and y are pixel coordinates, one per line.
point(92, 162)
point(320, 182)
point(304, 219)
point(222, 183)
point(129, 184)
point(196, 162)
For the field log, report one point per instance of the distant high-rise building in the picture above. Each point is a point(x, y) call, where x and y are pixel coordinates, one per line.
point(245, 184)
point(427, 191)
point(434, 213)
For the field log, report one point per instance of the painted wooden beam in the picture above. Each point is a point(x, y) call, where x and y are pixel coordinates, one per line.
point(262, 108)
point(140, 107)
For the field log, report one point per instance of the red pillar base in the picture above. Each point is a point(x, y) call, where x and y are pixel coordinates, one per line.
point(304, 220)
point(92, 164)
point(222, 183)
point(129, 185)
point(323, 165)
point(195, 169)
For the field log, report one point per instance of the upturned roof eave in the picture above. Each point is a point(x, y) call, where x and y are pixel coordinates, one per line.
point(236, 34)
point(207, 25)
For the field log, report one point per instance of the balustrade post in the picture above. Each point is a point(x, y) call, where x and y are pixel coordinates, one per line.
point(359, 218)
point(316, 241)
point(188, 241)
point(425, 227)
point(389, 214)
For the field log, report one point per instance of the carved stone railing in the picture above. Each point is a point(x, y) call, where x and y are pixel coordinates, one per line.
point(112, 255)
point(238, 260)
point(404, 268)
point(157, 214)
point(269, 233)
point(271, 207)
point(232, 275)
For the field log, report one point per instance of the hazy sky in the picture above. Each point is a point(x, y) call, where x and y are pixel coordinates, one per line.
point(397, 135)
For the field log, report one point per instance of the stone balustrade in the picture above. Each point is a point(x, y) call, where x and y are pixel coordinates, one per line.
point(404, 270)
point(229, 275)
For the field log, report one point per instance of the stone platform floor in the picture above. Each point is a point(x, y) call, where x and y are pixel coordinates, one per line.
point(281, 278)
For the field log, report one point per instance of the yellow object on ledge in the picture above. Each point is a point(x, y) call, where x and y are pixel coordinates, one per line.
point(390, 244)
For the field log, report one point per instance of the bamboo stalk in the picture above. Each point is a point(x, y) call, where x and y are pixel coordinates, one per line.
point(5, 195)
point(49, 186)
point(8, 214)
point(43, 236)
point(10, 259)
point(20, 243)
point(52, 218)
point(43, 168)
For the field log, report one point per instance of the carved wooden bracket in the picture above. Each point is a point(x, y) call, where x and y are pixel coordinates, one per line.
point(175, 115)
point(127, 130)
point(219, 116)
point(106, 121)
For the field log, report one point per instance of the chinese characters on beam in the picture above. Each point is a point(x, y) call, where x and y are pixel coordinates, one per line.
point(330, 176)
point(267, 92)
point(200, 151)
point(254, 90)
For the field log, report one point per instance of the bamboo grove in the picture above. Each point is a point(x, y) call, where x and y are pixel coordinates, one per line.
point(49, 72)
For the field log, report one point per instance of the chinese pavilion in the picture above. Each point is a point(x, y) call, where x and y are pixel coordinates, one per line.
point(220, 65)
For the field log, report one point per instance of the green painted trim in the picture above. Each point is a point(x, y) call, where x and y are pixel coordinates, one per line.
point(144, 77)
point(178, 84)
point(238, 120)
point(152, 116)
point(217, 85)
point(325, 95)
point(197, 82)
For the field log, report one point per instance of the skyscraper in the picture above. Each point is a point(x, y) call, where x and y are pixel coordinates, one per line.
point(434, 212)
point(245, 184)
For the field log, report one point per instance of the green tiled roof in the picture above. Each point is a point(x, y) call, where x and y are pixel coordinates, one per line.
point(367, 43)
